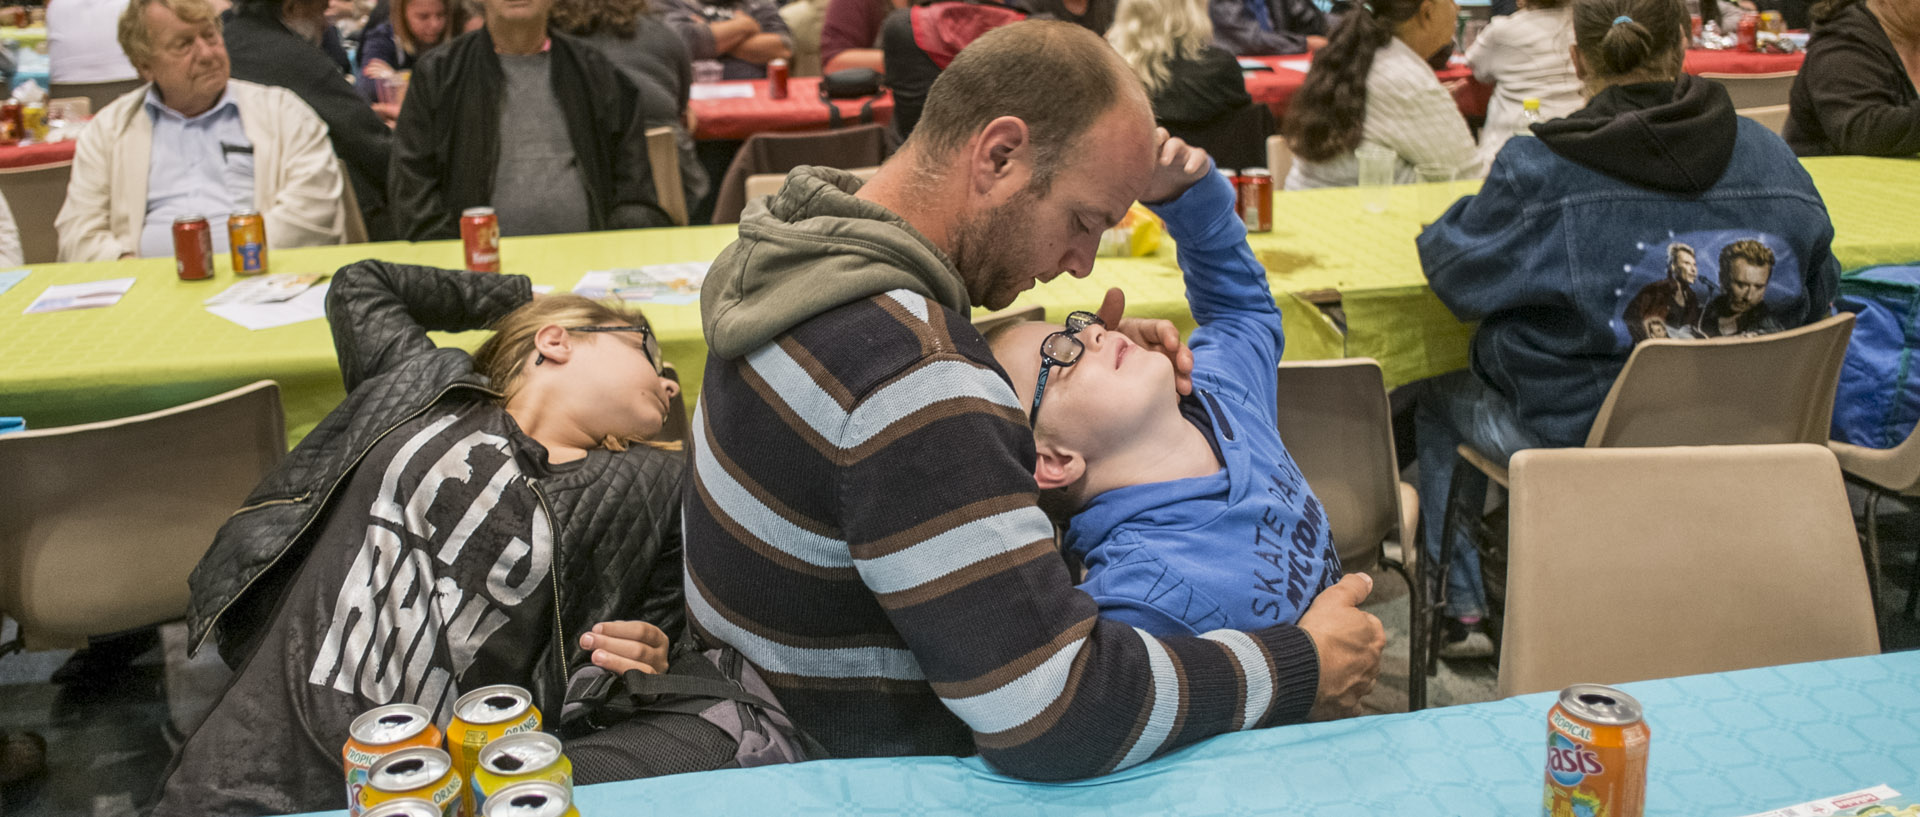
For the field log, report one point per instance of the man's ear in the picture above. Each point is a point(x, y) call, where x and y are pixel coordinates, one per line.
point(1056, 467)
point(554, 343)
point(1001, 161)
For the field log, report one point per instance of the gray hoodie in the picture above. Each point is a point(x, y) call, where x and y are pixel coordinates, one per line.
point(808, 249)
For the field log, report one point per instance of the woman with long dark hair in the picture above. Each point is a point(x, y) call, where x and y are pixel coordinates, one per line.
point(1654, 211)
point(1856, 93)
point(1372, 85)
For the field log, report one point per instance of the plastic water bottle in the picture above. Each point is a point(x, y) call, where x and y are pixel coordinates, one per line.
point(1529, 116)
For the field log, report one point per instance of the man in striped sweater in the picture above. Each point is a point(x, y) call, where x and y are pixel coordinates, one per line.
point(861, 521)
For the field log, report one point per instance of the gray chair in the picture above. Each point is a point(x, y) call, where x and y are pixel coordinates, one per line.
point(36, 194)
point(1636, 563)
point(101, 523)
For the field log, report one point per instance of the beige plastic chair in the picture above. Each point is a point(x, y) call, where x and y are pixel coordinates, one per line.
point(1763, 390)
point(36, 195)
point(1883, 471)
point(767, 184)
point(356, 227)
point(1337, 423)
point(1279, 160)
point(101, 523)
point(1772, 116)
point(1637, 563)
point(663, 157)
point(987, 322)
point(1756, 90)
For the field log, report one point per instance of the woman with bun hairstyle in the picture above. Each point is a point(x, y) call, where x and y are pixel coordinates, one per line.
point(1371, 85)
point(1568, 233)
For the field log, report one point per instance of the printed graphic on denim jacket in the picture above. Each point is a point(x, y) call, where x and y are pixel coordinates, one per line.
point(1718, 283)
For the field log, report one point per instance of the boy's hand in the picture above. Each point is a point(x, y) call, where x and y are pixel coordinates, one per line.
point(619, 646)
point(1178, 166)
point(1151, 334)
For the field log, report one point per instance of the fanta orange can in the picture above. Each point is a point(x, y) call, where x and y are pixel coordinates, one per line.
point(1596, 754)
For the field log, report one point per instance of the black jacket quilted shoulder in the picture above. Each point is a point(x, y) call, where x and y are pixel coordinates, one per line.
point(616, 517)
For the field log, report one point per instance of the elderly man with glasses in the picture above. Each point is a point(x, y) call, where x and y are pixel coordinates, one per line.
point(223, 145)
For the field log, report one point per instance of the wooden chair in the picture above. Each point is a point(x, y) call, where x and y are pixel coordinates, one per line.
point(101, 523)
point(1770, 389)
point(1883, 472)
point(1279, 161)
point(36, 195)
point(859, 146)
point(1772, 116)
point(1636, 563)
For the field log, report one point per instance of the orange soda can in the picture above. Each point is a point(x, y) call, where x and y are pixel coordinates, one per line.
point(404, 807)
point(247, 238)
point(1596, 754)
point(421, 772)
point(483, 716)
point(378, 732)
point(517, 759)
point(480, 234)
point(534, 798)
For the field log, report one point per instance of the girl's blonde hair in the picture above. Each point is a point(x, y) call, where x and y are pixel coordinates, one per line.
point(503, 357)
point(1149, 34)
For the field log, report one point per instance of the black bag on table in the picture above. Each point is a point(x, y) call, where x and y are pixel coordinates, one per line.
point(710, 710)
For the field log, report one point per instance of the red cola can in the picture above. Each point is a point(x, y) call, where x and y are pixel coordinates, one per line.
point(1749, 33)
point(480, 232)
point(777, 74)
point(247, 239)
point(1253, 193)
point(192, 248)
point(13, 122)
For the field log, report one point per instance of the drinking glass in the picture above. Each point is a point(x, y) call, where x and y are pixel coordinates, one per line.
point(1376, 175)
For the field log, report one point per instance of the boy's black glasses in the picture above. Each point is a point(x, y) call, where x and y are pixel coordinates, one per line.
point(1060, 349)
point(648, 343)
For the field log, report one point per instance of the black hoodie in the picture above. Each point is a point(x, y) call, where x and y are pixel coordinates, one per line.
point(1676, 137)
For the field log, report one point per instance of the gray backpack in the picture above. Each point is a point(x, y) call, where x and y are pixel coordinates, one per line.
point(710, 710)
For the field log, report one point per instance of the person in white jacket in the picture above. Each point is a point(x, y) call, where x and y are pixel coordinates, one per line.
point(1527, 54)
point(193, 141)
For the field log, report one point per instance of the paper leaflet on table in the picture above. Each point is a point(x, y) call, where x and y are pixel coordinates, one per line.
point(701, 90)
point(1879, 801)
point(654, 284)
point(266, 289)
point(11, 277)
point(310, 304)
point(90, 295)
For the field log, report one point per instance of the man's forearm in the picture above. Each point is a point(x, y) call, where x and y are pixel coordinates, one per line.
point(763, 48)
point(729, 34)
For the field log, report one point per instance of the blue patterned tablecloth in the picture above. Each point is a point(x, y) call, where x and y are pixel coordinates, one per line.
point(1723, 745)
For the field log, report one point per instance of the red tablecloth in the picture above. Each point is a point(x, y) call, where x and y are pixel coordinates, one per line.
point(741, 117)
point(12, 158)
point(1276, 88)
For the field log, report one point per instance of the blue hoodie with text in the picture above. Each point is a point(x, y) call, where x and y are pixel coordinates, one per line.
point(1247, 546)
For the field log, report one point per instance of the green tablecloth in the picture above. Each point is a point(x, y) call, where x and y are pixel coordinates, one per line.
point(159, 347)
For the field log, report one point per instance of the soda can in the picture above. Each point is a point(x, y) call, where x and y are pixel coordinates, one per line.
point(13, 124)
point(1749, 32)
point(192, 248)
point(422, 772)
point(1254, 195)
point(1596, 754)
point(379, 732)
point(1697, 23)
point(777, 74)
point(247, 239)
point(480, 232)
point(404, 807)
point(517, 759)
point(485, 715)
point(534, 798)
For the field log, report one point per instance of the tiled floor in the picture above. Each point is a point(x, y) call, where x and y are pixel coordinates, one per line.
point(108, 749)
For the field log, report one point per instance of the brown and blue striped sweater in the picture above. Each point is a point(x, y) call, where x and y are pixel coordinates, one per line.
point(861, 525)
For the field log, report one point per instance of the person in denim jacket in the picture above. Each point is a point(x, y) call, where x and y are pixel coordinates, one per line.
point(1572, 227)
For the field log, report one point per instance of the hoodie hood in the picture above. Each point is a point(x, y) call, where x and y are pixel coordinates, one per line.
point(942, 29)
point(1675, 137)
point(810, 248)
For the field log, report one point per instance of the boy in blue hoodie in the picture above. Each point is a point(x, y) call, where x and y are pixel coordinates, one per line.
point(1188, 513)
